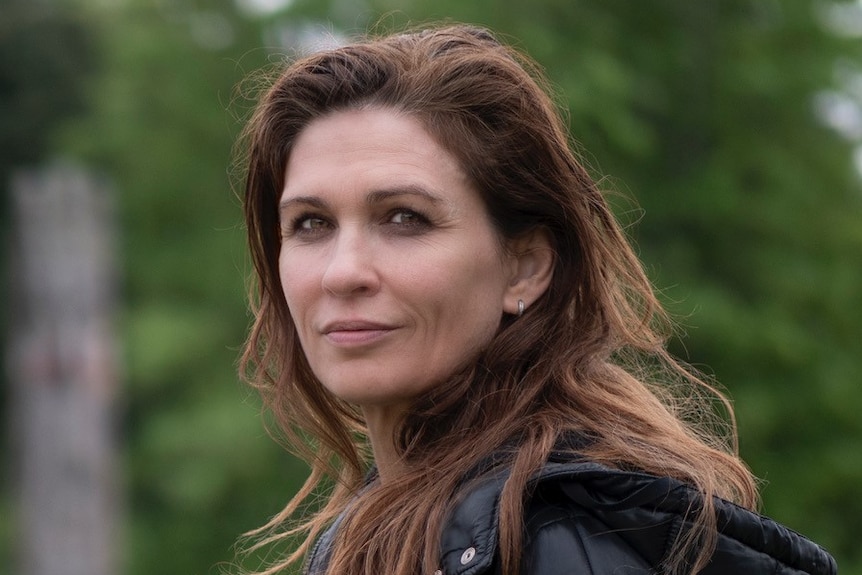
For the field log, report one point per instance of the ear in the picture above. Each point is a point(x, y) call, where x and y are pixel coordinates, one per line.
point(531, 261)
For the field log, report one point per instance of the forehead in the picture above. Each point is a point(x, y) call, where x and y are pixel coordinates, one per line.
point(363, 148)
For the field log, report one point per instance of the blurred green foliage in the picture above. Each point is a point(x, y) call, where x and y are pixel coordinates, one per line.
point(710, 113)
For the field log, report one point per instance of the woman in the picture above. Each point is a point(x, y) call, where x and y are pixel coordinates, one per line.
point(453, 331)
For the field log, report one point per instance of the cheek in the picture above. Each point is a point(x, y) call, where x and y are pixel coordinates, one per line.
point(293, 285)
point(284, 278)
point(472, 298)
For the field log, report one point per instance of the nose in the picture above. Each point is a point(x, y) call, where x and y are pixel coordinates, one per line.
point(350, 269)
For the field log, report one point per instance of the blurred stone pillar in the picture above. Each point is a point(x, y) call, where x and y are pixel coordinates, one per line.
point(63, 372)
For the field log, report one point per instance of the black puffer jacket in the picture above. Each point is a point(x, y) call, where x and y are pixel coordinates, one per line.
point(586, 519)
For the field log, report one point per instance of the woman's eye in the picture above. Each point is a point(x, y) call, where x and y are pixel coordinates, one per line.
point(407, 217)
point(310, 223)
point(305, 226)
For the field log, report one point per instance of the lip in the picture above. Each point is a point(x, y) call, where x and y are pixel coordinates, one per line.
point(355, 332)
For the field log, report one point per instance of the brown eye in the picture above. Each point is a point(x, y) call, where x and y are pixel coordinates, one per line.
point(307, 227)
point(312, 224)
point(405, 217)
point(408, 218)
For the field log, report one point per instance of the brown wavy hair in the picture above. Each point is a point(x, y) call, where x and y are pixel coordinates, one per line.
point(587, 358)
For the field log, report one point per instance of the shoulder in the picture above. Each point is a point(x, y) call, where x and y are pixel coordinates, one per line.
point(587, 519)
point(565, 538)
point(561, 536)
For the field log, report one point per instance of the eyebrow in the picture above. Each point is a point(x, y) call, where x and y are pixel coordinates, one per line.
point(375, 197)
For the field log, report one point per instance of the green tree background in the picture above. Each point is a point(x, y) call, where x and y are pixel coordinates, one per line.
point(734, 124)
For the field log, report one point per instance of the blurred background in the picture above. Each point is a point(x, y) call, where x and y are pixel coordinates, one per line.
point(736, 125)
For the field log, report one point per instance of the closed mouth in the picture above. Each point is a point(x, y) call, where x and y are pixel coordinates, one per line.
point(354, 325)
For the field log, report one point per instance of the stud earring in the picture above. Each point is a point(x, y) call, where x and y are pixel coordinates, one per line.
point(521, 307)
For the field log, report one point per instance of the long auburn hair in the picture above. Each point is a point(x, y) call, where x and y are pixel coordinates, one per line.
point(588, 357)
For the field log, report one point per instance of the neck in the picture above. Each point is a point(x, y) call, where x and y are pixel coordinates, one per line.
point(381, 422)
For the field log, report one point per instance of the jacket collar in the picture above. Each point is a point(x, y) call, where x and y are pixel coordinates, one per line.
point(469, 540)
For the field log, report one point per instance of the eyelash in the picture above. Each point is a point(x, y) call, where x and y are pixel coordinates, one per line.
point(295, 225)
point(421, 220)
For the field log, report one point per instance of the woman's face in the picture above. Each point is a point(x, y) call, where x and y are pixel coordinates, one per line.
point(392, 271)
